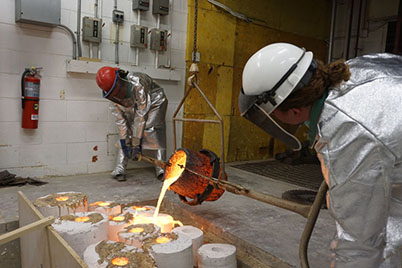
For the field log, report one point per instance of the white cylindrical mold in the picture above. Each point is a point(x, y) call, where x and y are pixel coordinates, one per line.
point(82, 229)
point(118, 223)
point(175, 253)
point(61, 204)
point(101, 255)
point(106, 207)
point(217, 256)
point(166, 222)
point(196, 235)
point(137, 233)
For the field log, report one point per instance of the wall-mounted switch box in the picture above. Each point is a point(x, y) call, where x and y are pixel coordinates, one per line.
point(160, 7)
point(138, 36)
point(118, 16)
point(91, 29)
point(140, 4)
point(42, 12)
point(159, 39)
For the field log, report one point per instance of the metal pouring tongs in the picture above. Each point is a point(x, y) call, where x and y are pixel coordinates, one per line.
point(307, 211)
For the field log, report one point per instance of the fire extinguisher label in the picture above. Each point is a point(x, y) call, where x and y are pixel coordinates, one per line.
point(34, 117)
point(31, 89)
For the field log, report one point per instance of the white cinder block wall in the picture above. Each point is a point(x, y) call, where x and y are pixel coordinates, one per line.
point(77, 132)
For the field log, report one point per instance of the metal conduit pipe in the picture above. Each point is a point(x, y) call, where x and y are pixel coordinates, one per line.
point(169, 42)
point(97, 16)
point(398, 40)
point(116, 51)
point(349, 32)
point(96, 8)
point(79, 28)
point(158, 21)
point(73, 37)
point(358, 28)
point(137, 50)
point(332, 31)
point(91, 48)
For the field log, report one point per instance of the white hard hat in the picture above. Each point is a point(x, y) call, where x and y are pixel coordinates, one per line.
point(270, 75)
point(275, 71)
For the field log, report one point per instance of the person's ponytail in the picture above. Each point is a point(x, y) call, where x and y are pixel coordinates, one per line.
point(324, 77)
point(337, 72)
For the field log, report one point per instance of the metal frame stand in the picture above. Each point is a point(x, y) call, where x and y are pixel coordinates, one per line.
point(192, 82)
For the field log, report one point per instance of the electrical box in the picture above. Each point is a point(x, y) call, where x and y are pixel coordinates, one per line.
point(159, 39)
point(140, 4)
point(91, 29)
point(42, 12)
point(160, 7)
point(138, 36)
point(118, 16)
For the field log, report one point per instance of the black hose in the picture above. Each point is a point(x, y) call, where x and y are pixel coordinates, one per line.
point(23, 85)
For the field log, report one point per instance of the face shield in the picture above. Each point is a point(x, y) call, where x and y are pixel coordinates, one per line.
point(122, 90)
point(255, 113)
point(257, 104)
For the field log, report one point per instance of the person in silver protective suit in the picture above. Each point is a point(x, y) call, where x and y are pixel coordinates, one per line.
point(140, 107)
point(354, 114)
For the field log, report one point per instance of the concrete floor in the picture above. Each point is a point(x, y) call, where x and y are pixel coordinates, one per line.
point(268, 233)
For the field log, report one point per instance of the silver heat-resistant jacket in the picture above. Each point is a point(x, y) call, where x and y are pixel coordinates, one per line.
point(359, 144)
point(144, 119)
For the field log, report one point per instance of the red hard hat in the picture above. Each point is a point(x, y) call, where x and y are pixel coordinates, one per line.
point(105, 77)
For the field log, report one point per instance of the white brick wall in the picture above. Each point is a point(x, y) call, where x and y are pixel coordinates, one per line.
point(76, 132)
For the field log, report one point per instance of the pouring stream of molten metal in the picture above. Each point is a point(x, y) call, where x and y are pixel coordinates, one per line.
point(173, 171)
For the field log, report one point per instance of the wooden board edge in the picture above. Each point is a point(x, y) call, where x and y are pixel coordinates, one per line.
point(24, 198)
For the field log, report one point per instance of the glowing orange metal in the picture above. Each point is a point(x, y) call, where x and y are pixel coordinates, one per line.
point(137, 208)
point(177, 165)
point(81, 219)
point(136, 230)
point(100, 203)
point(120, 261)
point(118, 218)
point(62, 198)
point(162, 240)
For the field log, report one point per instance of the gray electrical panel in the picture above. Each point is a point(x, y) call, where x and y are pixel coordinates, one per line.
point(160, 7)
point(118, 16)
point(43, 12)
point(159, 39)
point(140, 4)
point(138, 36)
point(91, 29)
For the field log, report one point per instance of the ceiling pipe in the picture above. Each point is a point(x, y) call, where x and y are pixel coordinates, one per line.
point(349, 32)
point(398, 42)
point(358, 28)
point(332, 31)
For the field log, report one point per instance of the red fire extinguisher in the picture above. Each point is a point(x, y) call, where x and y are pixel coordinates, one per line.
point(30, 83)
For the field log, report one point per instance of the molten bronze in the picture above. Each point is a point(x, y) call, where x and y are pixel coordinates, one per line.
point(190, 185)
